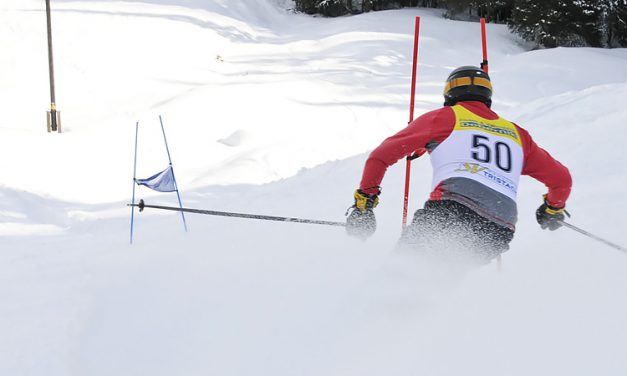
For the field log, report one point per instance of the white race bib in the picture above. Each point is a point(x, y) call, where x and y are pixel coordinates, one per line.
point(487, 151)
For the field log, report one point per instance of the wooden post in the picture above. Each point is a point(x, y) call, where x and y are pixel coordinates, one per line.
point(54, 117)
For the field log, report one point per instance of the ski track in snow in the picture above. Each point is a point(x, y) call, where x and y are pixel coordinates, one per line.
point(272, 112)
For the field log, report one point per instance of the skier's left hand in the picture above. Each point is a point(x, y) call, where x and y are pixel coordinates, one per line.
point(361, 221)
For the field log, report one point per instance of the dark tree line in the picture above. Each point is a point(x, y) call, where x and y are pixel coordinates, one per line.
point(334, 8)
point(546, 23)
point(552, 23)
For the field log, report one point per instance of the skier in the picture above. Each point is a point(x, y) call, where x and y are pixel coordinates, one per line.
point(477, 159)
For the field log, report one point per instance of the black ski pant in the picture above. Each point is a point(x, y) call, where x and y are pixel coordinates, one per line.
point(449, 229)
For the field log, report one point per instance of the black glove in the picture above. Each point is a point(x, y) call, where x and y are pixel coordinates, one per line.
point(361, 221)
point(549, 216)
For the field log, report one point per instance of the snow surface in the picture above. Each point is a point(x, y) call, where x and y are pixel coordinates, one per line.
point(272, 112)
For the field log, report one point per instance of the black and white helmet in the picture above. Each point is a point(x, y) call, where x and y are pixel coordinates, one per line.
point(468, 83)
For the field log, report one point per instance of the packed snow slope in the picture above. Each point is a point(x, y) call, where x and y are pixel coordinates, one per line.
point(272, 112)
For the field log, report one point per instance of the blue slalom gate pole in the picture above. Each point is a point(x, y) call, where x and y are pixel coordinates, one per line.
point(173, 176)
point(134, 178)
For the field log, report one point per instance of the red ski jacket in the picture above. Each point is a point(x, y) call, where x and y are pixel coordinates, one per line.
point(432, 128)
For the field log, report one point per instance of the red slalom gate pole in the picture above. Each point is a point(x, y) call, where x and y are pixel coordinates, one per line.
point(484, 44)
point(484, 66)
point(414, 70)
point(411, 118)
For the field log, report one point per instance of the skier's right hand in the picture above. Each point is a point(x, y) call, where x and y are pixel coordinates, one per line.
point(549, 216)
point(361, 221)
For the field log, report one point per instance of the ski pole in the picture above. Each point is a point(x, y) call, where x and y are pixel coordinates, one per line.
point(143, 205)
point(586, 233)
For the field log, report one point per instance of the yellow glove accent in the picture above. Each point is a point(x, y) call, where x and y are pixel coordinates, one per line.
point(364, 201)
point(551, 210)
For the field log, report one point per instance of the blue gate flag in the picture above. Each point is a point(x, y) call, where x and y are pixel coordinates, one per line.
point(162, 181)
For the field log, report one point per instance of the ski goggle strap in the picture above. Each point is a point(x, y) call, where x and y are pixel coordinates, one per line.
point(465, 81)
